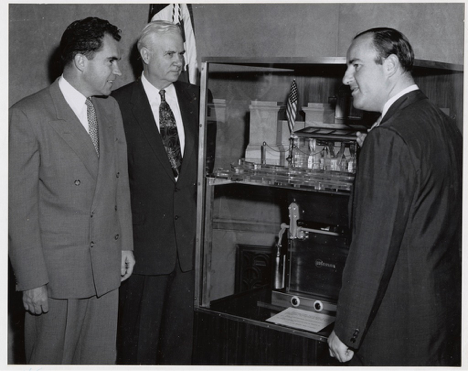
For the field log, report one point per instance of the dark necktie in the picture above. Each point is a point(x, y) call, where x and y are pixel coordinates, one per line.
point(169, 135)
point(93, 125)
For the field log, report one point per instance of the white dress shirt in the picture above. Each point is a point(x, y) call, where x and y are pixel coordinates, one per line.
point(75, 100)
point(171, 98)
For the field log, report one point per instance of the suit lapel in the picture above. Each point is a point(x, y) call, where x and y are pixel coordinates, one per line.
point(144, 116)
point(72, 131)
point(188, 108)
point(106, 131)
point(106, 149)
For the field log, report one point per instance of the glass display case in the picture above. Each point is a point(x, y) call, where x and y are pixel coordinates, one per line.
point(272, 217)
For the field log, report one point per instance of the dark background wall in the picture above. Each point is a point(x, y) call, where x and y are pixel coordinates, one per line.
point(258, 30)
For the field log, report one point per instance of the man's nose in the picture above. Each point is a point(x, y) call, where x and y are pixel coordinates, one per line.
point(116, 70)
point(179, 59)
point(348, 77)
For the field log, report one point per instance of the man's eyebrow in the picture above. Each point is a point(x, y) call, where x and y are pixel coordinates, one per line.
point(173, 51)
point(352, 61)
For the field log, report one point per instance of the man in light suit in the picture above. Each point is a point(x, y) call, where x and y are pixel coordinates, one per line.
point(156, 303)
point(70, 232)
point(401, 296)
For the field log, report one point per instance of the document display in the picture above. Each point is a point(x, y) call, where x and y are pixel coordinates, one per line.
point(302, 319)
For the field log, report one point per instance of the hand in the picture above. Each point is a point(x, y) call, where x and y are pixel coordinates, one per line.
point(339, 350)
point(128, 262)
point(360, 138)
point(36, 301)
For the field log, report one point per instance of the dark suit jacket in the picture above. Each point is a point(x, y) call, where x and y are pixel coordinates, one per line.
point(69, 211)
point(400, 300)
point(164, 211)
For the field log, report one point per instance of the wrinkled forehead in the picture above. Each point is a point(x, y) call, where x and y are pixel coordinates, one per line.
point(166, 39)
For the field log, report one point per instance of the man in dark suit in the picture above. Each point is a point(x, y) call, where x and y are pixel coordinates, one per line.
point(156, 305)
point(70, 231)
point(401, 295)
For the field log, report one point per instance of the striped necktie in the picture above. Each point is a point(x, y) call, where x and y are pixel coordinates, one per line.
point(93, 124)
point(169, 134)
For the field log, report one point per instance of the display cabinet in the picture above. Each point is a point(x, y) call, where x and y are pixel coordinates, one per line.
point(272, 216)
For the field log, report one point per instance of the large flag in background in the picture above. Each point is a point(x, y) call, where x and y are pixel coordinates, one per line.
point(291, 106)
point(180, 14)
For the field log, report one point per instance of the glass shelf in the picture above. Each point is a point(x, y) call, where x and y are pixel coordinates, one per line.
point(252, 171)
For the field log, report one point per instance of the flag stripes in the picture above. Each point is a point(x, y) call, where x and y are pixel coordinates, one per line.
point(291, 107)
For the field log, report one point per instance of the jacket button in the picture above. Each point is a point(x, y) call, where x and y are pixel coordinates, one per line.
point(117, 175)
point(77, 182)
point(116, 236)
point(115, 207)
point(91, 244)
point(176, 189)
point(176, 217)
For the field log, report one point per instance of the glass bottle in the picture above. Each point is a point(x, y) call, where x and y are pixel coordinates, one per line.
point(310, 153)
point(326, 159)
point(295, 151)
point(341, 158)
point(352, 159)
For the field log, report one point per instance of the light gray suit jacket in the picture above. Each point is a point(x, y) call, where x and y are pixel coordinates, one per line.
point(69, 211)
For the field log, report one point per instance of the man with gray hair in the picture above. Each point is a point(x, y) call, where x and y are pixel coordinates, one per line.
point(160, 117)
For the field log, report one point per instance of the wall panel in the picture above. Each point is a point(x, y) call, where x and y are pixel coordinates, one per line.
point(35, 32)
point(256, 30)
point(435, 30)
point(266, 30)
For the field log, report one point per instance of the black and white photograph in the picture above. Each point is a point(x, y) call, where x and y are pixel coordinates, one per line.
point(232, 184)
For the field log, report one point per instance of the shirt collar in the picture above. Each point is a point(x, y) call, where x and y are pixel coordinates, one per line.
point(74, 98)
point(393, 99)
point(153, 93)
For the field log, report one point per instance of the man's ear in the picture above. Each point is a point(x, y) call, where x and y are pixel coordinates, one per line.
point(145, 55)
point(80, 61)
point(391, 65)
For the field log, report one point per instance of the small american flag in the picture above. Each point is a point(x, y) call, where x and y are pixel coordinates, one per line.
point(291, 107)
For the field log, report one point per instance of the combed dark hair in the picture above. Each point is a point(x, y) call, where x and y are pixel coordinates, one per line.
point(85, 36)
point(390, 41)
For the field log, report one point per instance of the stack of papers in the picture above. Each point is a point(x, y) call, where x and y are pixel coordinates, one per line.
point(302, 319)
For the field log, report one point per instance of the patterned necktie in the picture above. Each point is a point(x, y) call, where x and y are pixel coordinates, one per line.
point(93, 125)
point(169, 135)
